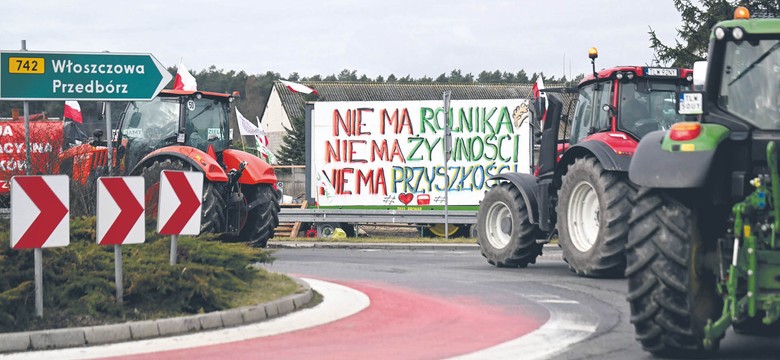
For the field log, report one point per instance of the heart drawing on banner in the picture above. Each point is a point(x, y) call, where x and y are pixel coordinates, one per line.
point(406, 198)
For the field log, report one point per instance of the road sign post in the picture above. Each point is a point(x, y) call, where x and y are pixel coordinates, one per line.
point(120, 214)
point(179, 205)
point(39, 218)
point(446, 96)
point(27, 75)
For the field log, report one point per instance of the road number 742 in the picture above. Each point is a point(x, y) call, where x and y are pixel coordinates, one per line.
point(25, 65)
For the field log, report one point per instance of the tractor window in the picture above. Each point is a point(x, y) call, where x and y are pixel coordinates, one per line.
point(207, 124)
point(648, 105)
point(583, 115)
point(750, 88)
point(150, 122)
point(604, 96)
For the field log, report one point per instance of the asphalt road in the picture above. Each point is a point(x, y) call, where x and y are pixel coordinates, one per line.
point(531, 293)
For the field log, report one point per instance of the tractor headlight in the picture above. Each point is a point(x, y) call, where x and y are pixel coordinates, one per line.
point(720, 33)
point(689, 78)
point(737, 33)
point(198, 95)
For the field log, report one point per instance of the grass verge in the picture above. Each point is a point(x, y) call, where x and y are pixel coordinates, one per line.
point(79, 286)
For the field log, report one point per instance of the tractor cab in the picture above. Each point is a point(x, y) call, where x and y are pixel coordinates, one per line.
point(196, 119)
point(631, 100)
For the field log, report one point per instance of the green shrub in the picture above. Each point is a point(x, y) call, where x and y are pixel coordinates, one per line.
point(79, 285)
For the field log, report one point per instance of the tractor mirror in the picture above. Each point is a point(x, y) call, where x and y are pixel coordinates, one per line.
point(135, 119)
point(97, 134)
point(538, 109)
point(699, 75)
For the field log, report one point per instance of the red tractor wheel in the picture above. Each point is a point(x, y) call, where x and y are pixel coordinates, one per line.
point(213, 207)
point(258, 226)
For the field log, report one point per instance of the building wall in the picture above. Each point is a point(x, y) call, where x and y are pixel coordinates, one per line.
point(274, 117)
point(275, 141)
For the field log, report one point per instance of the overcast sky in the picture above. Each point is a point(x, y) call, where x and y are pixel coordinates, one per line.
point(401, 37)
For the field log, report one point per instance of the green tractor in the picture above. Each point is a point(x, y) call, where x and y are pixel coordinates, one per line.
point(703, 251)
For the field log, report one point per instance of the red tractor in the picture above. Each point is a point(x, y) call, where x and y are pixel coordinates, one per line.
point(188, 130)
point(581, 191)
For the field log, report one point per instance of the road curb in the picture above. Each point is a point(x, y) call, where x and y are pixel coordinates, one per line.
point(378, 246)
point(137, 330)
point(371, 246)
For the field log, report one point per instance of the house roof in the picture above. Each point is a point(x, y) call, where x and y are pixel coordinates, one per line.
point(365, 91)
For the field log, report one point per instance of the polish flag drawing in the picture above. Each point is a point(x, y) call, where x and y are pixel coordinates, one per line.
point(72, 111)
point(184, 80)
point(298, 88)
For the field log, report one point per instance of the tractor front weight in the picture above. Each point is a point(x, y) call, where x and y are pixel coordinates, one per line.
point(752, 284)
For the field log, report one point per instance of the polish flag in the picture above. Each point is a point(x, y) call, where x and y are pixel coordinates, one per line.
point(261, 137)
point(184, 80)
point(538, 90)
point(298, 88)
point(72, 111)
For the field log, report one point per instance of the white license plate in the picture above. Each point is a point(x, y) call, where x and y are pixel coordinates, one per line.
point(661, 72)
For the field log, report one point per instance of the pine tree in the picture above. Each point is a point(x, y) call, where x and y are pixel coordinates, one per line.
point(293, 149)
point(698, 18)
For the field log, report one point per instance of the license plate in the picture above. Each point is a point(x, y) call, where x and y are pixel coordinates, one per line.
point(660, 72)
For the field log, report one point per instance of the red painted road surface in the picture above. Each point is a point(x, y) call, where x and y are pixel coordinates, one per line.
point(399, 324)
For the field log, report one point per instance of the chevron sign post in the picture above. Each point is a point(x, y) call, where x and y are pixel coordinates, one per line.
point(40, 218)
point(120, 213)
point(179, 205)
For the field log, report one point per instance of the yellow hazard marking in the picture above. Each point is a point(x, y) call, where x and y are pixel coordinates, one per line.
point(746, 230)
point(25, 65)
point(687, 147)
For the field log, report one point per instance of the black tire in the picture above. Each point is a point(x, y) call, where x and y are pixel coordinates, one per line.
point(671, 292)
point(505, 234)
point(438, 231)
point(349, 229)
point(593, 252)
point(263, 218)
point(213, 204)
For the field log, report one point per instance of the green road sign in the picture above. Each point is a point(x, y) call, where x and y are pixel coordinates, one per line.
point(28, 75)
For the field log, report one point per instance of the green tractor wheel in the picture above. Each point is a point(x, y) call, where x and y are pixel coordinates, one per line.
point(671, 291)
point(213, 205)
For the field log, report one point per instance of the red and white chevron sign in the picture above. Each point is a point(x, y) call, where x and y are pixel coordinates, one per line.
point(180, 202)
point(120, 210)
point(40, 206)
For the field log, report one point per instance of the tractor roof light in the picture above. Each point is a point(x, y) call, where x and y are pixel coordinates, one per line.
point(684, 131)
point(737, 33)
point(630, 75)
point(619, 75)
point(198, 95)
point(689, 78)
point(720, 33)
point(593, 53)
point(742, 13)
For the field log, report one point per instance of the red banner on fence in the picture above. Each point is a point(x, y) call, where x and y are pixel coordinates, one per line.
point(45, 145)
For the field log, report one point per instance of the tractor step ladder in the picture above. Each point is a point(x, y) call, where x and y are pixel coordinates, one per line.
point(289, 229)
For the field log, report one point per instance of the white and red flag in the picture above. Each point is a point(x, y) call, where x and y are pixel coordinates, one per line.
point(298, 88)
point(184, 80)
point(72, 111)
point(538, 90)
